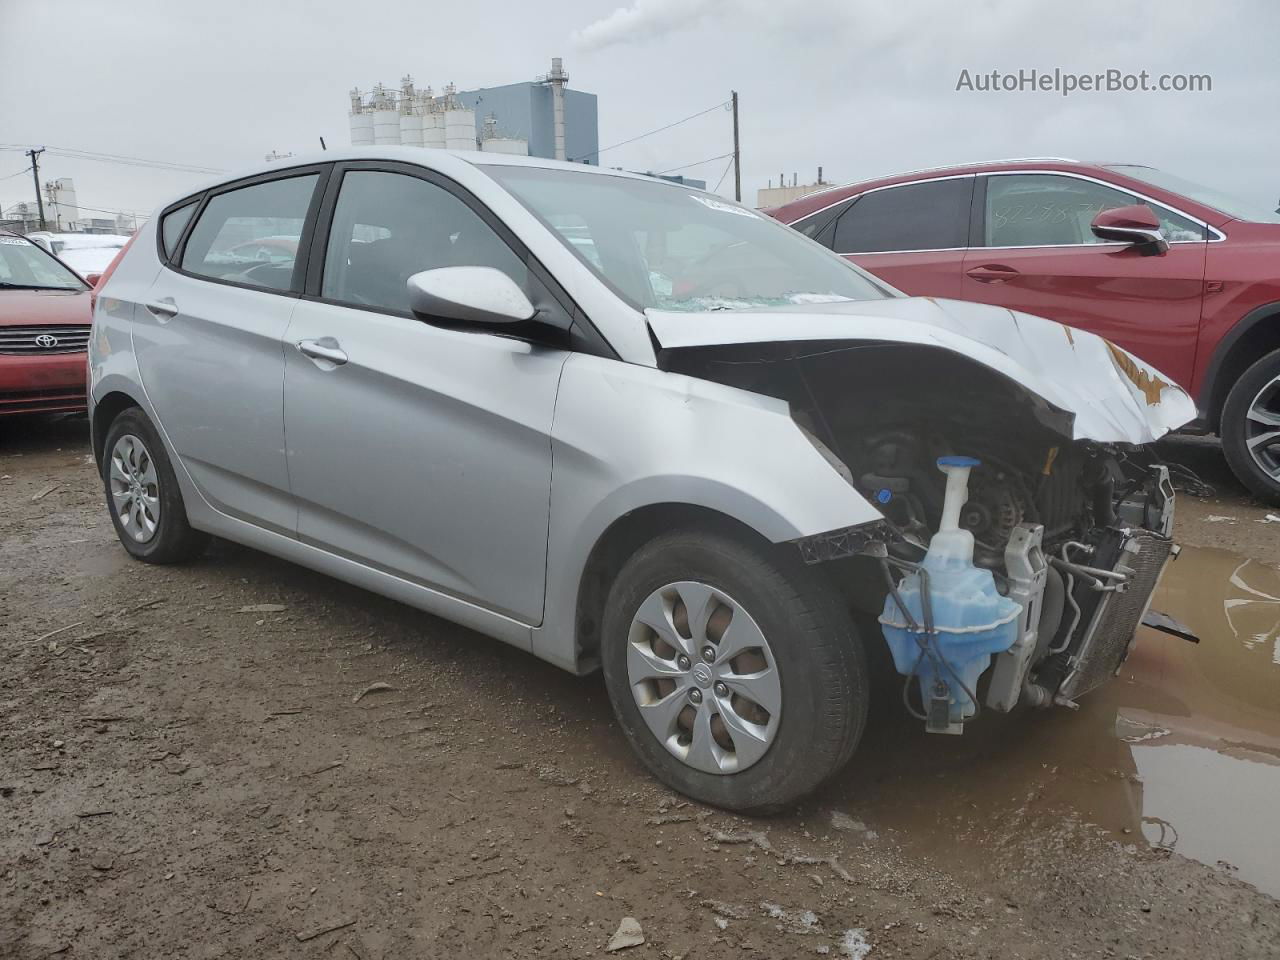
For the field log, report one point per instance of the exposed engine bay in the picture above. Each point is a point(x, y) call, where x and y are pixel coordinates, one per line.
point(1013, 564)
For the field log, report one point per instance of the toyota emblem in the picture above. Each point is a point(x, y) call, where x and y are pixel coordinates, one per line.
point(46, 341)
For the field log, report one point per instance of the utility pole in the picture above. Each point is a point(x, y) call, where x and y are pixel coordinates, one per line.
point(737, 156)
point(35, 177)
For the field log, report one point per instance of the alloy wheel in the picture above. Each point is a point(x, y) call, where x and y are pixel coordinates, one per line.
point(704, 678)
point(1262, 429)
point(135, 488)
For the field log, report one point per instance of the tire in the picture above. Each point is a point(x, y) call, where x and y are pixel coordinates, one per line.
point(158, 532)
point(1257, 392)
point(814, 652)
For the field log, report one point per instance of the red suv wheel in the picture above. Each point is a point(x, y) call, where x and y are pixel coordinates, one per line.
point(1250, 428)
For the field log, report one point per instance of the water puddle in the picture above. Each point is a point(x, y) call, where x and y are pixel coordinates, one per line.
point(1182, 749)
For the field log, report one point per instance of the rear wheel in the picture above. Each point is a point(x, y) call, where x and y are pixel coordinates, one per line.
point(734, 672)
point(1250, 428)
point(142, 493)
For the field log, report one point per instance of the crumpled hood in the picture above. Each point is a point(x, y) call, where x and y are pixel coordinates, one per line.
point(1113, 396)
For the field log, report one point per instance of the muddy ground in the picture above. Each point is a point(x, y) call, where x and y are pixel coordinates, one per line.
point(181, 776)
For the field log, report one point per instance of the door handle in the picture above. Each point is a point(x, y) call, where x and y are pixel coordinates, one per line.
point(992, 273)
point(163, 309)
point(326, 348)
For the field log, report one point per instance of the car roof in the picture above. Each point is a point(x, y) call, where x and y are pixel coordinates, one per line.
point(1112, 172)
point(432, 157)
point(811, 202)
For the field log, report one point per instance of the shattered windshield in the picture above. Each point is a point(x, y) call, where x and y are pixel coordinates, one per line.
point(674, 248)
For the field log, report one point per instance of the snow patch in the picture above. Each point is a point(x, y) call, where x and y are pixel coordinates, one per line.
point(854, 944)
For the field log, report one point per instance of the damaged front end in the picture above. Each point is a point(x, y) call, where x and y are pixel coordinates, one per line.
point(1026, 521)
point(1069, 610)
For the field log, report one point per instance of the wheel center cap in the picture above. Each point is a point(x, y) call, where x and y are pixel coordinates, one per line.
point(702, 675)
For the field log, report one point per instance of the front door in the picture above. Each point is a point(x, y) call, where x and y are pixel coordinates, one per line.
point(421, 451)
point(1040, 257)
point(207, 337)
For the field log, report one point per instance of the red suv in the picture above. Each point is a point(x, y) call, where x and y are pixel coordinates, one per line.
point(45, 315)
point(1179, 274)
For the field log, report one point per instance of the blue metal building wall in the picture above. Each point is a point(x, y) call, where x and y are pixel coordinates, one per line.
point(524, 110)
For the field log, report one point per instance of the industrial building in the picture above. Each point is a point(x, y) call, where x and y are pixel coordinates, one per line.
point(538, 118)
point(62, 214)
point(784, 192)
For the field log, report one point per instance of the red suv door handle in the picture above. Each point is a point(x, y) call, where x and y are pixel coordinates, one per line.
point(992, 273)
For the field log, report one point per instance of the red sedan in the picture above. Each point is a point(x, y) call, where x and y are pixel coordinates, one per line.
point(1181, 275)
point(44, 331)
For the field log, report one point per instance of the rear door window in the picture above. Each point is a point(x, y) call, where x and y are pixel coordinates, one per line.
point(933, 215)
point(236, 226)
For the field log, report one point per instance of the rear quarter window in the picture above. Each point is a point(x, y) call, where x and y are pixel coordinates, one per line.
point(171, 227)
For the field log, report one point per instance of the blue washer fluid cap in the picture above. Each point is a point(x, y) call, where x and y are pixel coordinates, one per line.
point(958, 462)
point(884, 495)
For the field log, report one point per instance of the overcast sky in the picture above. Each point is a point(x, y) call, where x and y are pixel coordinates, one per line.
point(861, 88)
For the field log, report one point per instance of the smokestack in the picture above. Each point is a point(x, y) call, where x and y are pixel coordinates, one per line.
point(558, 78)
point(819, 176)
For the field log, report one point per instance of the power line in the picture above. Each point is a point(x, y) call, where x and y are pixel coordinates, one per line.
point(727, 167)
point(18, 174)
point(74, 153)
point(696, 163)
point(123, 213)
point(623, 143)
point(156, 165)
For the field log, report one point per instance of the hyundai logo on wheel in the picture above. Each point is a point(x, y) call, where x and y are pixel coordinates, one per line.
point(46, 341)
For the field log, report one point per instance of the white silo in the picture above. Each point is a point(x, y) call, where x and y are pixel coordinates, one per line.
point(410, 121)
point(433, 129)
point(411, 129)
point(361, 121)
point(386, 118)
point(361, 129)
point(386, 126)
point(460, 128)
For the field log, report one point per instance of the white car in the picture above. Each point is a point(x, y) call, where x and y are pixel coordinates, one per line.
point(88, 254)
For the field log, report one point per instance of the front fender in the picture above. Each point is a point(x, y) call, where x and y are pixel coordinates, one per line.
point(627, 436)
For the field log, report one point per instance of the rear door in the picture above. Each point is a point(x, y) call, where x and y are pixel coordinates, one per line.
point(208, 341)
point(911, 235)
point(421, 451)
point(1037, 254)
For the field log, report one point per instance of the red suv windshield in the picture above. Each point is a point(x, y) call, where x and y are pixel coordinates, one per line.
point(1208, 196)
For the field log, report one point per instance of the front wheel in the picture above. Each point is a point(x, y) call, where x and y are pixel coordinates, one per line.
point(1250, 428)
point(734, 672)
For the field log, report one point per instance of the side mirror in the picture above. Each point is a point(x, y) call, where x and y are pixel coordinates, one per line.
point(1136, 225)
point(93, 279)
point(479, 295)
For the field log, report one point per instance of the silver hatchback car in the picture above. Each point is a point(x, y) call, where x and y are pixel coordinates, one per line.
point(625, 424)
